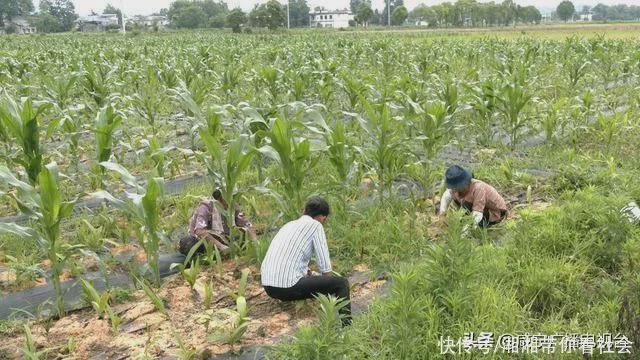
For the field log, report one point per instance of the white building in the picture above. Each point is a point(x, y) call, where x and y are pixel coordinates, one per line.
point(19, 25)
point(586, 17)
point(330, 19)
point(150, 20)
point(99, 22)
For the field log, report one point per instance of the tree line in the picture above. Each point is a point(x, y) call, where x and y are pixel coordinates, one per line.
point(59, 15)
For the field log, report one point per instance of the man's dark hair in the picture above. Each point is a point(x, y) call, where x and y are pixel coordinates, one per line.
point(316, 206)
point(217, 194)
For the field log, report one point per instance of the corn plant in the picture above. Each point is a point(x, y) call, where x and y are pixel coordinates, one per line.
point(156, 300)
point(97, 82)
point(60, 89)
point(114, 320)
point(385, 153)
point(105, 125)
point(434, 127)
point(185, 352)
point(99, 302)
point(484, 105)
point(30, 350)
point(20, 121)
point(45, 206)
point(226, 168)
point(208, 295)
point(237, 325)
point(512, 100)
point(190, 273)
point(158, 155)
point(143, 208)
point(72, 126)
point(255, 124)
point(147, 102)
point(294, 158)
point(554, 118)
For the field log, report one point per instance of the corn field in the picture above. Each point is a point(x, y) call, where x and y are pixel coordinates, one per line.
point(97, 130)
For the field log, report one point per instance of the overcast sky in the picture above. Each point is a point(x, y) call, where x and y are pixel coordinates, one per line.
point(145, 7)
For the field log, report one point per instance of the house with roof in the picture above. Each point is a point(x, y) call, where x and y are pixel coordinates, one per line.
point(148, 21)
point(330, 18)
point(18, 25)
point(98, 22)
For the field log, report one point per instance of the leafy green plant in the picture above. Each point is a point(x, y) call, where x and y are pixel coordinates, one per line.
point(45, 206)
point(99, 302)
point(20, 120)
point(295, 160)
point(236, 325)
point(320, 341)
point(143, 208)
point(30, 351)
point(208, 295)
point(386, 152)
point(512, 99)
point(190, 274)
point(485, 105)
point(105, 125)
point(156, 300)
point(227, 168)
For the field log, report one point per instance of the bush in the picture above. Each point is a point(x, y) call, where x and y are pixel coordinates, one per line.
point(11, 29)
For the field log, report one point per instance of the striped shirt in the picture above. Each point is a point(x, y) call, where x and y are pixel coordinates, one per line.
point(290, 251)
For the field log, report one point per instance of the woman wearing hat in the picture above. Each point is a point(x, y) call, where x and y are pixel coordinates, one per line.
point(477, 197)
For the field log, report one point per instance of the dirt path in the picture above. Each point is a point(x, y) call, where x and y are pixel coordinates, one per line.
point(144, 330)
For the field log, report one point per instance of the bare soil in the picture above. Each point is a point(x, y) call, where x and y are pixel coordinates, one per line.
point(144, 330)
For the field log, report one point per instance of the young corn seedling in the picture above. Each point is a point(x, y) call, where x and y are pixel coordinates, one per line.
point(20, 121)
point(156, 300)
point(59, 89)
point(30, 351)
point(227, 168)
point(105, 125)
point(295, 159)
point(238, 321)
point(208, 295)
point(143, 209)
point(99, 302)
point(385, 154)
point(190, 274)
point(484, 105)
point(512, 100)
point(258, 128)
point(45, 206)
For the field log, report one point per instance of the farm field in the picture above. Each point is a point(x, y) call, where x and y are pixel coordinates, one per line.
point(110, 141)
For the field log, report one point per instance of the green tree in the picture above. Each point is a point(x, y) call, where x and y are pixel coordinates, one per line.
point(399, 15)
point(565, 10)
point(299, 13)
point(110, 9)
point(394, 4)
point(235, 19)
point(46, 23)
point(62, 10)
point(271, 15)
point(190, 17)
point(12, 8)
point(364, 13)
point(197, 14)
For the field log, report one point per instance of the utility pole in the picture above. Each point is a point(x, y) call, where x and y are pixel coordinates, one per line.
point(288, 16)
point(389, 13)
point(124, 29)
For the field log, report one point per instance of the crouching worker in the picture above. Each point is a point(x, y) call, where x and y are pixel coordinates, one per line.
point(477, 197)
point(208, 223)
point(285, 267)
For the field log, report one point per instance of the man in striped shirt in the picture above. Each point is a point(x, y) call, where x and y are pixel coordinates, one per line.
point(285, 268)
